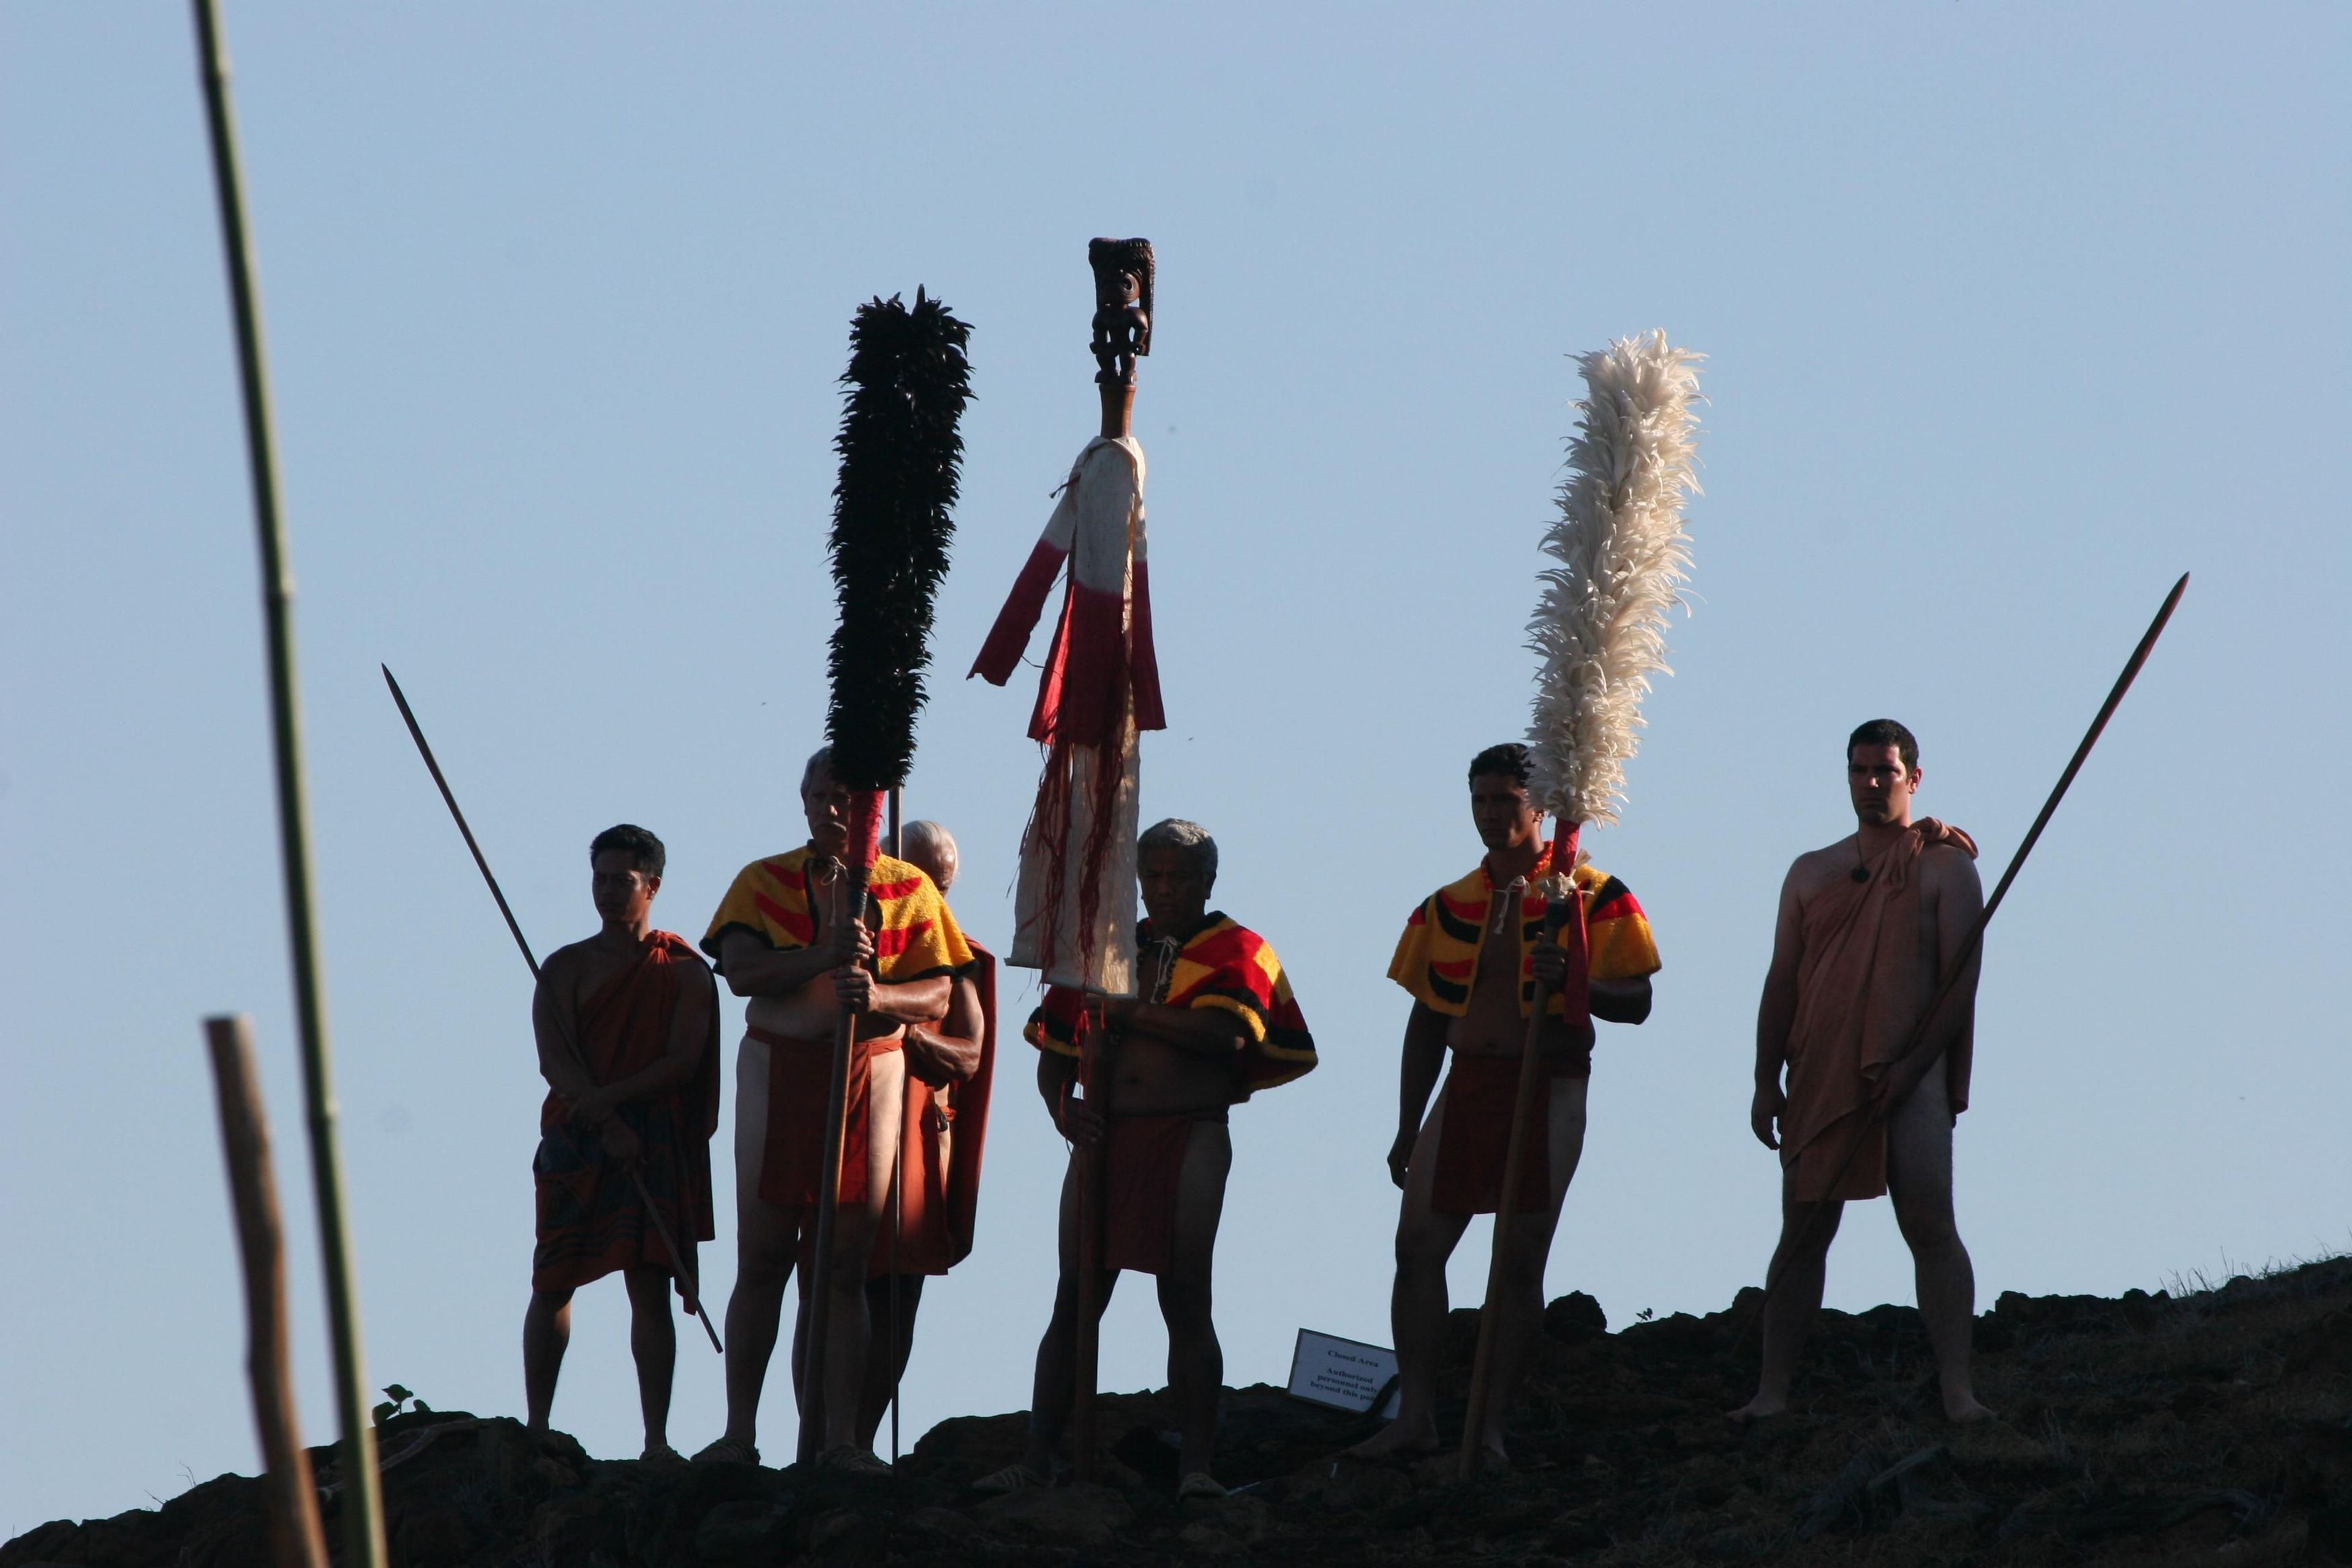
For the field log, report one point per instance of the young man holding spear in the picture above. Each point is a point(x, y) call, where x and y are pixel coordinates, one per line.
point(1872, 990)
point(1481, 957)
point(1865, 927)
point(1470, 958)
point(628, 1122)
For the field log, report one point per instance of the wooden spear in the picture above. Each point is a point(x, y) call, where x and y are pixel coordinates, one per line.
point(364, 1543)
point(289, 1492)
point(684, 1270)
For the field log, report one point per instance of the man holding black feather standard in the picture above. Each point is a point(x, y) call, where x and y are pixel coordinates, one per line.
point(839, 946)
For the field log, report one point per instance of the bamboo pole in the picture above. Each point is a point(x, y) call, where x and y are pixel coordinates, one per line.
point(364, 1543)
point(289, 1493)
point(1559, 915)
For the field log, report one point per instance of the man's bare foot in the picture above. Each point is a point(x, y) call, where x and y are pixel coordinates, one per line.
point(1965, 1409)
point(1398, 1440)
point(1493, 1460)
point(1757, 1409)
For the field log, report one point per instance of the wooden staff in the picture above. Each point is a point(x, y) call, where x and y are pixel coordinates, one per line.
point(828, 1198)
point(363, 1544)
point(1876, 1115)
point(685, 1271)
point(898, 1179)
point(1559, 914)
point(290, 1496)
point(1094, 1089)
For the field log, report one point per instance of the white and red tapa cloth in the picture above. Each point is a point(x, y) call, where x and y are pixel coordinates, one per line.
point(1075, 908)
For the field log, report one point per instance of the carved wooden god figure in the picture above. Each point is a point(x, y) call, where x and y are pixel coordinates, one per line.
point(1122, 323)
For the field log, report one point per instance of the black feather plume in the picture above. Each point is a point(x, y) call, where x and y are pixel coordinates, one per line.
point(908, 382)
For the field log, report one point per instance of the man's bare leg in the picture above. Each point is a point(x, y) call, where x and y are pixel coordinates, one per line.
point(767, 1244)
point(882, 1367)
point(1518, 1316)
point(1799, 1268)
point(1919, 1176)
point(653, 1342)
point(546, 1331)
point(1056, 1379)
point(849, 1329)
point(1417, 1301)
point(1196, 1363)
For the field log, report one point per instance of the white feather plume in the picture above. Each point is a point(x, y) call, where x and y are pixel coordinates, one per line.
point(1623, 557)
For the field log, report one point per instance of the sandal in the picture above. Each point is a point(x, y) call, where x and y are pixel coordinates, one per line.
point(851, 1460)
point(728, 1451)
point(660, 1454)
point(1011, 1479)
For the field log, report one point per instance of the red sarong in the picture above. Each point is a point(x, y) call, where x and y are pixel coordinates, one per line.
point(1475, 1140)
point(800, 1074)
point(590, 1217)
point(942, 1142)
point(1143, 1158)
point(1862, 983)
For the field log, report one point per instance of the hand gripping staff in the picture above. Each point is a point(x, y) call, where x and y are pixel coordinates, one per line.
point(686, 1274)
point(908, 382)
point(1877, 1114)
point(1600, 628)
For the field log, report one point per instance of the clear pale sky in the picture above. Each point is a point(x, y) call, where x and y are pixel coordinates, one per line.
point(2014, 312)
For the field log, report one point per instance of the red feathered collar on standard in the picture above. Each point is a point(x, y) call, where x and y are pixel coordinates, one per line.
point(1102, 652)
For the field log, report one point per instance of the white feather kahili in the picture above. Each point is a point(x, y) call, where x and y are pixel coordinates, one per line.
point(1623, 557)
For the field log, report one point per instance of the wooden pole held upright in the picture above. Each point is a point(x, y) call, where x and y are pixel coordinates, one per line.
point(364, 1545)
point(1094, 1085)
point(1559, 914)
point(289, 1492)
point(849, 894)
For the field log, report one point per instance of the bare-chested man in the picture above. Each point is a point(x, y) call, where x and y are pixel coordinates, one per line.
point(627, 1026)
point(1866, 930)
point(1470, 955)
point(782, 940)
point(950, 1067)
point(1214, 1022)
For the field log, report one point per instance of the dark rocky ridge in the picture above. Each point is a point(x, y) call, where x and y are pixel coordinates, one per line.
point(2212, 1429)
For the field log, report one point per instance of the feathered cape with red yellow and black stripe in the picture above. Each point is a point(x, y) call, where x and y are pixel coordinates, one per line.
point(1437, 957)
point(1223, 964)
point(771, 898)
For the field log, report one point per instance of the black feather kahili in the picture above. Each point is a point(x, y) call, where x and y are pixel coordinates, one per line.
point(908, 382)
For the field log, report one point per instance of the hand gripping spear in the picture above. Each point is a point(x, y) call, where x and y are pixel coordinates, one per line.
point(691, 1286)
point(908, 380)
point(1601, 630)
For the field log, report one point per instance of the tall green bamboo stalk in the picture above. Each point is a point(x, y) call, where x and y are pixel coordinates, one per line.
point(362, 1514)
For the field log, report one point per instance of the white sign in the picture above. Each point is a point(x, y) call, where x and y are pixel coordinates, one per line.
point(1345, 1374)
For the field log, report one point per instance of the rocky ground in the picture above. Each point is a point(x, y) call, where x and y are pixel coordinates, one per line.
point(2216, 1427)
